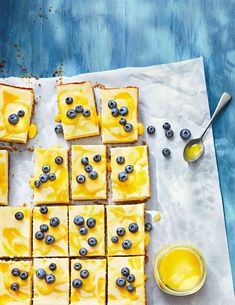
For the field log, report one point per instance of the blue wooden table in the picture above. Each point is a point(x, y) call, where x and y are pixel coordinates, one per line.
point(48, 38)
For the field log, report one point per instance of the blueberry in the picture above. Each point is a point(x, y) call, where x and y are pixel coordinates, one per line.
point(148, 226)
point(88, 168)
point(122, 176)
point(80, 179)
point(169, 133)
point(24, 275)
point(59, 129)
point(37, 183)
point(21, 113)
point(51, 176)
point(41, 273)
point(79, 109)
point(112, 104)
point(121, 231)
point(44, 228)
point(130, 278)
point(125, 271)
point(14, 286)
point(133, 227)
point(50, 278)
point(49, 239)
point(15, 272)
point(84, 273)
point(84, 160)
point(120, 160)
point(71, 114)
point(59, 160)
point(19, 216)
point(77, 283)
point(46, 169)
point(126, 244)
point(124, 111)
point(114, 239)
point(93, 175)
point(151, 129)
point(185, 134)
point(128, 127)
point(83, 230)
point(43, 209)
point(83, 251)
point(69, 100)
point(92, 241)
point(54, 222)
point(52, 266)
point(86, 113)
point(39, 235)
point(122, 121)
point(97, 158)
point(121, 282)
point(166, 152)
point(115, 112)
point(13, 119)
point(166, 126)
point(79, 220)
point(43, 178)
point(129, 169)
point(77, 266)
point(91, 222)
point(130, 288)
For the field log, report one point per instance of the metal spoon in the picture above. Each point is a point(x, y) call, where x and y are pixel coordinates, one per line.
point(224, 99)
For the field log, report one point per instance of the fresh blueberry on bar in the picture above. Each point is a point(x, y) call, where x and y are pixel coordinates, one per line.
point(115, 112)
point(13, 119)
point(126, 244)
point(128, 127)
point(83, 251)
point(50, 278)
point(54, 221)
point(86, 113)
point(97, 158)
point(77, 266)
point(14, 286)
point(88, 168)
point(24, 275)
point(41, 273)
point(123, 111)
point(91, 222)
point(43, 209)
point(46, 169)
point(59, 160)
point(133, 227)
point(69, 100)
point(93, 175)
point(122, 121)
point(129, 169)
point(71, 114)
point(49, 239)
point(83, 230)
point(39, 235)
point(121, 231)
point(51, 176)
point(120, 160)
point(79, 109)
point(121, 282)
point(84, 273)
point(125, 271)
point(80, 179)
point(44, 228)
point(112, 104)
point(15, 272)
point(114, 239)
point(92, 242)
point(122, 176)
point(77, 283)
point(43, 178)
point(166, 152)
point(52, 266)
point(19, 216)
point(169, 133)
point(151, 130)
point(130, 288)
point(37, 183)
point(185, 134)
point(130, 278)
point(21, 113)
point(79, 220)
point(166, 126)
point(84, 160)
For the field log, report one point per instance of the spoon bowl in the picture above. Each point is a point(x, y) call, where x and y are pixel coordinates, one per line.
point(193, 150)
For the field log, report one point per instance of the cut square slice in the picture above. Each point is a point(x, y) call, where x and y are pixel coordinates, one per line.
point(88, 282)
point(51, 184)
point(130, 173)
point(89, 164)
point(16, 106)
point(119, 115)
point(126, 286)
point(125, 229)
point(77, 110)
point(15, 232)
point(4, 159)
point(87, 230)
point(51, 281)
point(15, 282)
point(50, 231)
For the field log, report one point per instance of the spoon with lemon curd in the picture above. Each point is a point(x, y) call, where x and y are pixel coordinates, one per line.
point(194, 148)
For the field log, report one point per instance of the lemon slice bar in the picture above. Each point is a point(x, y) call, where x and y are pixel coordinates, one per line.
point(4, 160)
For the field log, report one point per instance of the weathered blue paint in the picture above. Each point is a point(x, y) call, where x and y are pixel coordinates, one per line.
point(93, 35)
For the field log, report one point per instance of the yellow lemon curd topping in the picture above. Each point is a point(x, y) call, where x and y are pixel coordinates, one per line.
point(93, 290)
point(23, 295)
point(80, 126)
point(78, 241)
point(122, 216)
point(140, 129)
point(15, 235)
point(4, 177)
point(194, 151)
point(137, 185)
point(120, 295)
point(112, 130)
point(60, 232)
point(33, 130)
point(57, 292)
point(57, 118)
point(91, 188)
point(12, 100)
point(56, 191)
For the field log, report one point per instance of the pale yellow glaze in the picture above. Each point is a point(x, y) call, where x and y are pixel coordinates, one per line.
point(57, 292)
point(23, 295)
point(56, 191)
point(137, 186)
point(157, 217)
point(57, 118)
point(33, 130)
point(140, 129)
point(91, 189)
point(112, 131)
point(60, 246)
point(4, 177)
point(15, 235)
point(122, 216)
point(78, 241)
point(147, 238)
point(11, 101)
point(193, 152)
point(93, 289)
point(117, 295)
point(82, 94)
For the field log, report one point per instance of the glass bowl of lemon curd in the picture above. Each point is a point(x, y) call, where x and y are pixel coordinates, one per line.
point(180, 269)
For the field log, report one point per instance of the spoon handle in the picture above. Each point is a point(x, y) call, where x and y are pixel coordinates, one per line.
point(224, 99)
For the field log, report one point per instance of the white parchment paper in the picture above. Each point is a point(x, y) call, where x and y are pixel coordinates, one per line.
point(188, 196)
